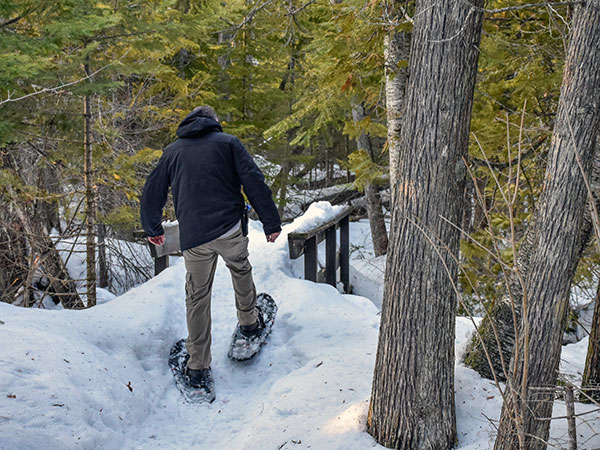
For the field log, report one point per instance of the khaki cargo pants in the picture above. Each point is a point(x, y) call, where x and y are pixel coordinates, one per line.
point(200, 263)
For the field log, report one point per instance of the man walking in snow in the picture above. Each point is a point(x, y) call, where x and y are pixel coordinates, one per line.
point(206, 170)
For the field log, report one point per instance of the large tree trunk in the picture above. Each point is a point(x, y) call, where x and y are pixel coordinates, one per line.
point(374, 206)
point(591, 373)
point(412, 402)
point(554, 252)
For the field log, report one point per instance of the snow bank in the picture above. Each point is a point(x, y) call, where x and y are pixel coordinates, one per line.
point(86, 379)
point(367, 272)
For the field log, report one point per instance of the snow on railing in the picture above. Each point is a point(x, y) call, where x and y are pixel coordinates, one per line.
point(306, 242)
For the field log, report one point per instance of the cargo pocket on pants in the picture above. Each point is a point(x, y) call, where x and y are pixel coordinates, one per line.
point(189, 288)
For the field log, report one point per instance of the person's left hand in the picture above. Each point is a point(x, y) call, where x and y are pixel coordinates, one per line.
point(273, 236)
point(157, 240)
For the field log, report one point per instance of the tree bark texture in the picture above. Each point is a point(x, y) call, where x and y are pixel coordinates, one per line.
point(396, 51)
point(412, 401)
point(554, 252)
point(591, 373)
point(374, 206)
point(90, 202)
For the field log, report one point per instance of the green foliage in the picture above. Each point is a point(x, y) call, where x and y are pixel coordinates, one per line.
point(518, 86)
point(367, 125)
point(366, 170)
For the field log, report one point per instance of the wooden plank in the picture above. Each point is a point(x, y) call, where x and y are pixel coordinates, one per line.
point(296, 247)
point(160, 264)
point(310, 259)
point(330, 253)
point(345, 253)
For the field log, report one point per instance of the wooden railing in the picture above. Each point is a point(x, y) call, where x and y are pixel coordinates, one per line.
point(306, 243)
point(302, 243)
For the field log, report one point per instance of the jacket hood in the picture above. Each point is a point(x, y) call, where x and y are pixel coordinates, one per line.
point(194, 125)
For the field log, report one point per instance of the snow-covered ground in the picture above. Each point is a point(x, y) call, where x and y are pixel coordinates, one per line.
point(99, 379)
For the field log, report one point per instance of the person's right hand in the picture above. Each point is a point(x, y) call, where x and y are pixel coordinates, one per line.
point(272, 237)
point(157, 240)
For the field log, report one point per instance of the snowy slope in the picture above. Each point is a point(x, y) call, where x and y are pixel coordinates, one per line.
point(99, 379)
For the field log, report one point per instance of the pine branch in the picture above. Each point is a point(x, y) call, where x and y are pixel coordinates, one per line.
point(247, 19)
point(57, 89)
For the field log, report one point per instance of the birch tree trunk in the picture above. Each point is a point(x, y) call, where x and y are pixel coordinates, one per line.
point(374, 206)
point(396, 50)
point(412, 401)
point(556, 241)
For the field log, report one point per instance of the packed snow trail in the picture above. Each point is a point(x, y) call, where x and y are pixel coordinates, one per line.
point(99, 378)
point(314, 361)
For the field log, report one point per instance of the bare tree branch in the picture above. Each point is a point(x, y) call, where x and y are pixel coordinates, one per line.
point(300, 8)
point(529, 5)
point(18, 18)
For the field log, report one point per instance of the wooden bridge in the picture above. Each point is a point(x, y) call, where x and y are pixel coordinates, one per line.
point(302, 243)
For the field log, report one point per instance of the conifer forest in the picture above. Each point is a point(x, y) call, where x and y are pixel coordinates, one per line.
point(467, 134)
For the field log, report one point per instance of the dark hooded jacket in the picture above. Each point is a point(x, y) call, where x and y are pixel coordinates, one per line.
point(206, 169)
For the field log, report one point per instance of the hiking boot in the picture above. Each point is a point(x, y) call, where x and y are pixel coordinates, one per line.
point(200, 379)
point(253, 330)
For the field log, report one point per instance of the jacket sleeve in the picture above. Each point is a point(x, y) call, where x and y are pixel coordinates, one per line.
point(256, 189)
point(154, 198)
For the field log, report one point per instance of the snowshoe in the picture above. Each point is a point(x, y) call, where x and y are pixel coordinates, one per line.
point(196, 386)
point(247, 341)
